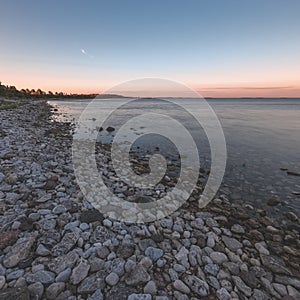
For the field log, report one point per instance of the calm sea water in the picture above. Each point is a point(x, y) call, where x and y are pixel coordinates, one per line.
point(262, 137)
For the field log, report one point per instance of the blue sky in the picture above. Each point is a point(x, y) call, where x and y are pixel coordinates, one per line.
point(92, 45)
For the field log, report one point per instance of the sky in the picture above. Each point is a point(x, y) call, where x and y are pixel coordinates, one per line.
point(219, 48)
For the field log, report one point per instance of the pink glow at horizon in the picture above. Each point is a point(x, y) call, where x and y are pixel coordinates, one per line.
point(226, 84)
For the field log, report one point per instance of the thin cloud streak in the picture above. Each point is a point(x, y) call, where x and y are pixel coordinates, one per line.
point(251, 88)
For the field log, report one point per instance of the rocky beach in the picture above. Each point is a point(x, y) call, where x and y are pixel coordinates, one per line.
point(55, 245)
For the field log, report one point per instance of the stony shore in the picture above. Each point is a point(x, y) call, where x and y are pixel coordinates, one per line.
point(54, 245)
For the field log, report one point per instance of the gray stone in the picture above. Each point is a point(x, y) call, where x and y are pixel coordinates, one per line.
point(2, 282)
point(182, 257)
point(150, 288)
point(173, 274)
point(214, 282)
point(232, 267)
point(54, 290)
point(126, 250)
point(275, 264)
point(59, 264)
point(237, 228)
point(293, 292)
point(71, 225)
point(66, 244)
point(139, 297)
point(138, 275)
point(261, 249)
point(59, 209)
point(14, 275)
point(118, 266)
point(195, 256)
point(288, 281)
point(181, 286)
point(197, 285)
point(260, 295)
point(102, 252)
point(218, 257)
point(36, 290)
point(179, 268)
point(42, 276)
point(154, 253)
point(212, 269)
point(34, 216)
point(280, 289)
point(100, 235)
point(231, 243)
point(210, 240)
point(241, 286)
point(97, 295)
point(2, 270)
point(64, 276)
point(19, 251)
point(222, 294)
point(49, 224)
point(42, 250)
point(79, 272)
point(107, 223)
point(265, 282)
point(93, 282)
point(112, 279)
point(84, 226)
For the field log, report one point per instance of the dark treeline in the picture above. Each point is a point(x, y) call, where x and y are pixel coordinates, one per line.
point(12, 92)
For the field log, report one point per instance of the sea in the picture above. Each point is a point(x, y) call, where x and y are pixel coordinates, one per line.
point(262, 140)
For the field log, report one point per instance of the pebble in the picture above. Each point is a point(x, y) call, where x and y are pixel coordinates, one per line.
point(154, 253)
point(231, 243)
point(218, 257)
point(138, 275)
point(112, 279)
point(42, 276)
point(42, 250)
point(180, 286)
point(237, 228)
point(54, 290)
point(261, 249)
point(79, 272)
point(36, 290)
point(139, 297)
point(15, 275)
point(59, 209)
point(64, 276)
point(2, 282)
point(239, 283)
point(223, 294)
point(60, 239)
point(150, 288)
